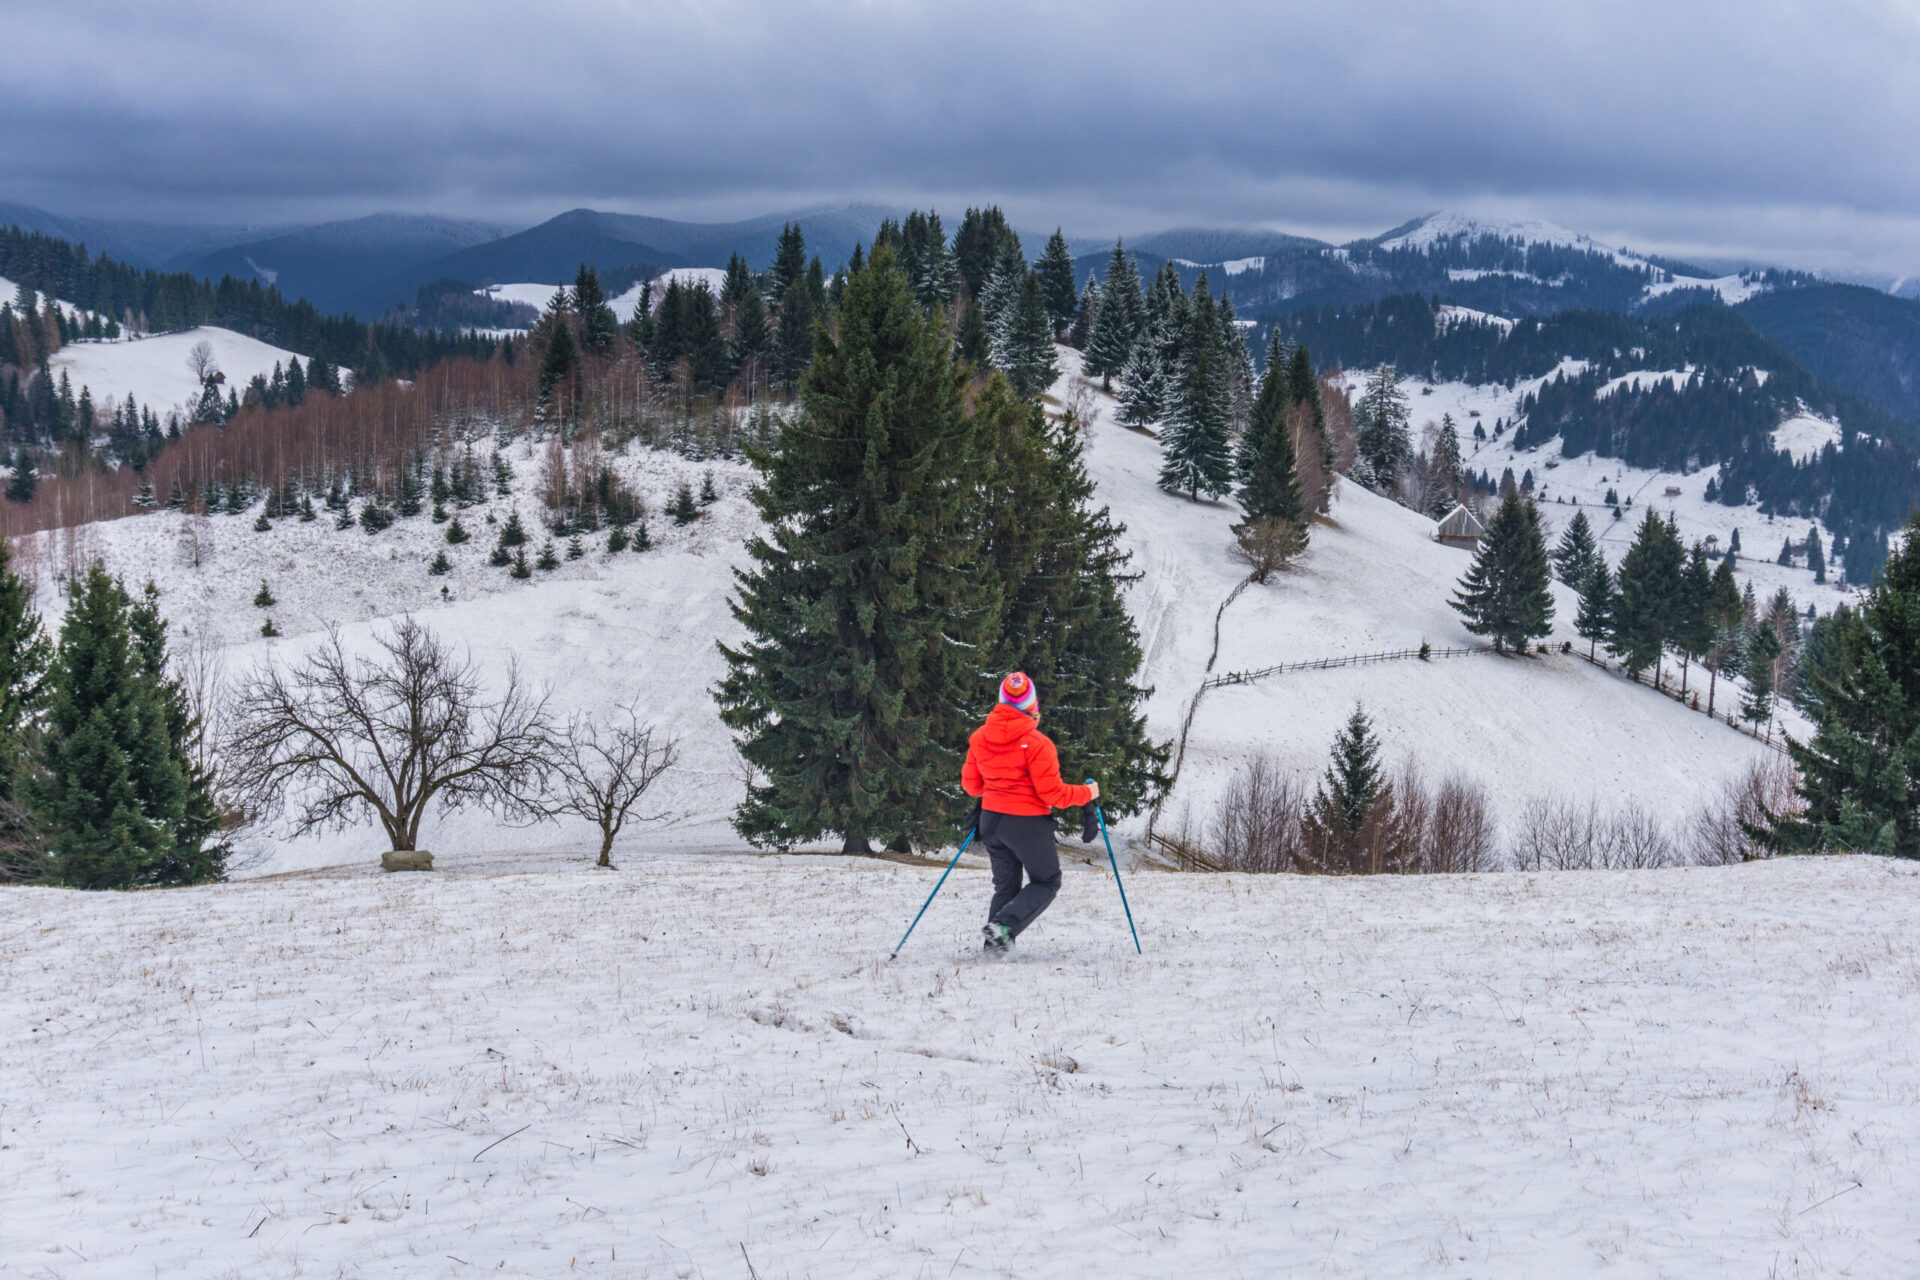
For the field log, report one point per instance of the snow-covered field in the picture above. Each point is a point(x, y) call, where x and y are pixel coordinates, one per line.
point(538, 295)
point(153, 370)
point(705, 1067)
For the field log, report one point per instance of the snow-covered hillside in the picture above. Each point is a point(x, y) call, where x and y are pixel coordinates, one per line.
point(1568, 485)
point(609, 627)
point(705, 1067)
point(154, 371)
point(1372, 581)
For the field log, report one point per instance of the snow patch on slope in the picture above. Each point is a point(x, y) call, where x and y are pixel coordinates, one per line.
point(1805, 434)
point(1448, 316)
point(1732, 290)
point(1449, 225)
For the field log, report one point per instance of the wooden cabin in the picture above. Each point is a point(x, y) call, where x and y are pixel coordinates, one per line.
point(1460, 528)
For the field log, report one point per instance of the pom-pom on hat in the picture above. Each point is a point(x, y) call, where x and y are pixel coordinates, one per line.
point(1017, 692)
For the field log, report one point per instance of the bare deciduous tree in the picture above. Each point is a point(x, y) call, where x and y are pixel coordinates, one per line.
point(1727, 831)
point(201, 361)
point(604, 768)
point(392, 734)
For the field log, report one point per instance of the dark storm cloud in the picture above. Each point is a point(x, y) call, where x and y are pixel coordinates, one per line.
point(1760, 126)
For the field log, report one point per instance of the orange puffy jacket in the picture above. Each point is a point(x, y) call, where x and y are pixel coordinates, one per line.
point(1014, 769)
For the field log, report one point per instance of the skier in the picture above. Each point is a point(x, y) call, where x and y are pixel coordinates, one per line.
point(1014, 770)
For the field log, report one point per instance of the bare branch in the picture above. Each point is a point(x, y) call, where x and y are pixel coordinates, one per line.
point(604, 768)
point(391, 735)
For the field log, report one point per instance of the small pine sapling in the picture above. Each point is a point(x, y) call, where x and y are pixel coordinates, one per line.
point(499, 558)
point(574, 549)
point(642, 540)
point(708, 494)
point(456, 532)
point(439, 513)
point(521, 569)
point(268, 630)
point(263, 598)
point(548, 560)
point(616, 539)
point(513, 533)
point(261, 524)
point(307, 513)
point(440, 565)
point(682, 508)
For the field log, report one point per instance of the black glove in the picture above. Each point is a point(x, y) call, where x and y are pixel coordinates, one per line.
point(1089, 824)
point(972, 825)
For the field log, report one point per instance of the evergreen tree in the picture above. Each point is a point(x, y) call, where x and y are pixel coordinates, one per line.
point(263, 598)
point(24, 480)
point(1573, 558)
point(1649, 596)
point(456, 533)
point(617, 539)
point(521, 569)
point(1724, 613)
point(547, 560)
point(575, 548)
point(1117, 325)
point(682, 508)
point(795, 340)
point(1381, 420)
point(1269, 473)
point(1786, 553)
point(854, 691)
point(513, 533)
point(408, 501)
point(1816, 555)
point(708, 494)
point(973, 343)
point(1060, 571)
point(1028, 355)
point(117, 793)
point(1506, 593)
point(641, 539)
point(1762, 648)
point(1594, 620)
point(1444, 481)
point(1195, 448)
point(1143, 386)
point(441, 565)
point(24, 658)
point(789, 263)
point(1055, 270)
point(1692, 628)
point(598, 324)
point(1084, 316)
point(752, 333)
point(562, 356)
point(1349, 798)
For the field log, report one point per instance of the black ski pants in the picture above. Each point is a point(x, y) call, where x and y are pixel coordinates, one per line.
point(1018, 843)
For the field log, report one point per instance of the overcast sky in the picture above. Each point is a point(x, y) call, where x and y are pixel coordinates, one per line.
point(1782, 131)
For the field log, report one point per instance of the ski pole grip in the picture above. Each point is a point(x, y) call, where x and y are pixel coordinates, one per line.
point(1089, 821)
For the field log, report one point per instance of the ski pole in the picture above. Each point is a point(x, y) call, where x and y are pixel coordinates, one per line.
point(936, 891)
point(1115, 864)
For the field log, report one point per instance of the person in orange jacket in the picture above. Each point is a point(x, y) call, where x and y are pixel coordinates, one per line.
point(1015, 771)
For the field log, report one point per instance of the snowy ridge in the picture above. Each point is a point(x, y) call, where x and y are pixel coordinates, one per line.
point(1448, 225)
point(1449, 315)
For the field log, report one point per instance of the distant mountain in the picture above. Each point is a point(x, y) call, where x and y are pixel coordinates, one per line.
point(165, 246)
point(331, 263)
point(1200, 244)
point(1859, 339)
point(554, 250)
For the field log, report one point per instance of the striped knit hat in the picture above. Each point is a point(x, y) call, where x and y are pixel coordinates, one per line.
point(1017, 692)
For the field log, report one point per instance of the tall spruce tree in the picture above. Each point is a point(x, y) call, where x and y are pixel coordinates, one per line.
point(24, 656)
point(1029, 348)
point(1060, 570)
point(1648, 602)
point(1269, 471)
point(598, 325)
point(1860, 772)
point(1693, 629)
point(794, 344)
point(1196, 452)
point(117, 793)
point(1117, 325)
point(1762, 648)
point(1724, 614)
point(1507, 593)
point(866, 619)
point(1573, 557)
point(789, 263)
point(1593, 621)
point(1055, 269)
point(1384, 447)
